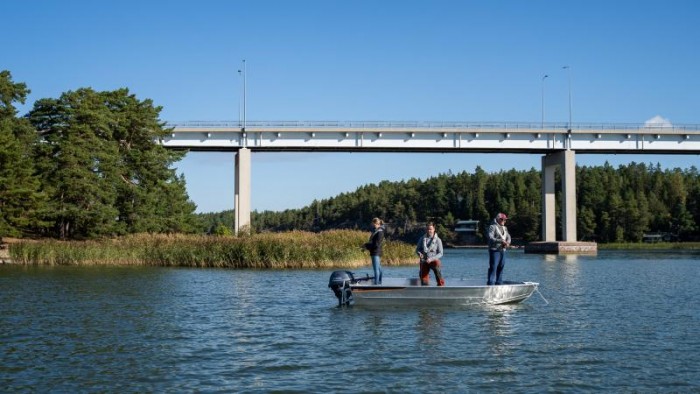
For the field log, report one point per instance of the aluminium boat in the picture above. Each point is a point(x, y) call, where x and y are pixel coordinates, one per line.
point(361, 291)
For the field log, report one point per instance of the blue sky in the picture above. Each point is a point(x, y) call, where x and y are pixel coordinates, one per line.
point(364, 60)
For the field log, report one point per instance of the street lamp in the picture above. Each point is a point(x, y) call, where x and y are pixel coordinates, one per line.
point(244, 93)
point(543, 78)
point(568, 72)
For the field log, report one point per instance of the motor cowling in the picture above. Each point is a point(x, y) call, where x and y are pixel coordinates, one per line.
point(340, 284)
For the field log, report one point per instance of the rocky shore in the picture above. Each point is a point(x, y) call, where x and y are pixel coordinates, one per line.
point(4, 254)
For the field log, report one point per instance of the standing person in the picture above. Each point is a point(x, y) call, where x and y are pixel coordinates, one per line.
point(429, 250)
point(375, 248)
point(499, 241)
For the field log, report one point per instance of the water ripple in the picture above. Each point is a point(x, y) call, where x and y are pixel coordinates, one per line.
point(615, 322)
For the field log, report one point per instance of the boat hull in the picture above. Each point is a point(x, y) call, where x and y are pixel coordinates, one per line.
point(409, 292)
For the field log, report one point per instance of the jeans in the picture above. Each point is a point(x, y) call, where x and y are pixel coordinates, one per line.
point(495, 271)
point(377, 266)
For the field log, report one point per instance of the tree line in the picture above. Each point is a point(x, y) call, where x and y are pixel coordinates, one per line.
point(88, 165)
point(613, 204)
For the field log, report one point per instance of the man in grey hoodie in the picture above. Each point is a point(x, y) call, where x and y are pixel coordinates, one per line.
point(429, 250)
point(499, 241)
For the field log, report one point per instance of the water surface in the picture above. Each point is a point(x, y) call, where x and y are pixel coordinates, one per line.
point(620, 321)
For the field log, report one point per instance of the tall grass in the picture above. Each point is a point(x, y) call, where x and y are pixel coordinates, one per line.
point(296, 249)
point(650, 246)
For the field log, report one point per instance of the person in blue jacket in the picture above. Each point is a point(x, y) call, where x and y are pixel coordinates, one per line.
point(375, 248)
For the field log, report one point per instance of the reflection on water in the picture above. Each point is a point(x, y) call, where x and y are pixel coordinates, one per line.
point(499, 330)
point(429, 327)
point(376, 323)
point(559, 258)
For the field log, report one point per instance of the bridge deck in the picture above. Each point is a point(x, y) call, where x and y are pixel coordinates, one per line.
point(435, 137)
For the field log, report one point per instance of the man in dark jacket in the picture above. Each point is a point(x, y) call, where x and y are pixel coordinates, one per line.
point(375, 248)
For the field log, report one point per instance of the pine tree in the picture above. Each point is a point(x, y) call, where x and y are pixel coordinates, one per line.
point(103, 169)
point(77, 164)
point(20, 198)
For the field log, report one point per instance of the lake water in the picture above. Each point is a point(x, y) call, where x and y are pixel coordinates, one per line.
point(618, 321)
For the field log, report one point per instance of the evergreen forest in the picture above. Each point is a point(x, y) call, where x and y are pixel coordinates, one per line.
point(613, 205)
point(88, 165)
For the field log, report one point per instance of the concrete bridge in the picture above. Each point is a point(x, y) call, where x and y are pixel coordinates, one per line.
point(557, 142)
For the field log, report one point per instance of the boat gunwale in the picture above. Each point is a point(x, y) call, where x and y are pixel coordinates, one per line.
point(369, 286)
point(462, 294)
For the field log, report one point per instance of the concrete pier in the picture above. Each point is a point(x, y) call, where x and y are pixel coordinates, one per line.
point(561, 247)
point(566, 162)
point(242, 201)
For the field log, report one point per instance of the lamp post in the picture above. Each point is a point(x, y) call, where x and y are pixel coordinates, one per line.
point(568, 72)
point(240, 113)
point(543, 78)
point(244, 94)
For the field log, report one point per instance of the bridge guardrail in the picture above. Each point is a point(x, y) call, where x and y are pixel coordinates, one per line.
point(439, 125)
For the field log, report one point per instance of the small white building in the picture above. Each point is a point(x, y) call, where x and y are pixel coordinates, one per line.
point(467, 232)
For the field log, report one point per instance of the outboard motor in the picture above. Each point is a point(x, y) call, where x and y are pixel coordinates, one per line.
point(340, 284)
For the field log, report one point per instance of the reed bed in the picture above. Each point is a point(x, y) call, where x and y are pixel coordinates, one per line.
point(289, 250)
point(651, 246)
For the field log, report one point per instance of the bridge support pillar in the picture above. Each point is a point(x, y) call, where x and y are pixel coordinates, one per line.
point(566, 161)
point(241, 197)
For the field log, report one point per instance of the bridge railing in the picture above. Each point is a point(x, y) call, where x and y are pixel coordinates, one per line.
point(437, 125)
